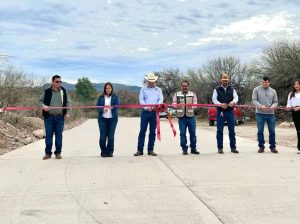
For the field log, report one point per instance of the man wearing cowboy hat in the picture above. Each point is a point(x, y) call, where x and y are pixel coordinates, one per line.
point(150, 94)
point(226, 97)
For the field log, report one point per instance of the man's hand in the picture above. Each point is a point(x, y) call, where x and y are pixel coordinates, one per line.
point(296, 108)
point(150, 109)
point(46, 108)
point(231, 104)
point(264, 108)
point(224, 105)
point(67, 116)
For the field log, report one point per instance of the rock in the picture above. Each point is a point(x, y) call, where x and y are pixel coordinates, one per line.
point(26, 141)
point(40, 133)
point(33, 122)
point(286, 124)
point(247, 119)
point(2, 143)
point(21, 136)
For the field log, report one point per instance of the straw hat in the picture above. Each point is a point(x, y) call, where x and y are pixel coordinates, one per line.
point(151, 77)
point(224, 76)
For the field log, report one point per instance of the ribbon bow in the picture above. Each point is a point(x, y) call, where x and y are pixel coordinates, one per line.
point(163, 108)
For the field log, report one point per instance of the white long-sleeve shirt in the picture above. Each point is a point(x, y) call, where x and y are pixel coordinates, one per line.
point(294, 101)
point(107, 102)
point(215, 96)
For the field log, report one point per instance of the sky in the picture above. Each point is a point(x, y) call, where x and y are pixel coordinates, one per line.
point(121, 41)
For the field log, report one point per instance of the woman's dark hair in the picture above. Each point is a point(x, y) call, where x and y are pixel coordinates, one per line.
point(112, 88)
point(294, 90)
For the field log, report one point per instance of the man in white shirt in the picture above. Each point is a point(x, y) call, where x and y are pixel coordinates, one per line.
point(226, 97)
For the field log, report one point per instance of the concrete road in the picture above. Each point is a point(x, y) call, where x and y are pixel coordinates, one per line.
point(171, 188)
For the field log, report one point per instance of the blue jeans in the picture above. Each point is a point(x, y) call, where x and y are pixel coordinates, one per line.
point(271, 121)
point(54, 125)
point(222, 116)
point(107, 127)
point(190, 123)
point(147, 117)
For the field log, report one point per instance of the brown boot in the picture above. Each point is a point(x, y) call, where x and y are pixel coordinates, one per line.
point(58, 156)
point(261, 150)
point(47, 156)
point(151, 153)
point(273, 150)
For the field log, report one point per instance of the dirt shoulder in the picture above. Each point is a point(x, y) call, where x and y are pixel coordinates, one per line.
point(27, 130)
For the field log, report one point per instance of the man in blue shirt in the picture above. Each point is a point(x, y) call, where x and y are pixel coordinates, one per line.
point(150, 94)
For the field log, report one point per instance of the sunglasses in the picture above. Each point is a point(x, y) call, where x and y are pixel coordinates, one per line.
point(57, 81)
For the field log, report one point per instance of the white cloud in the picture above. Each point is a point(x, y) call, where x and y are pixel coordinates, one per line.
point(205, 40)
point(269, 27)
point(142, 49)
point(279, 24)
point(50, 40)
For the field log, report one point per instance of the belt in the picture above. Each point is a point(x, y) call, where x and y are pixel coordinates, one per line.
point(55, 115)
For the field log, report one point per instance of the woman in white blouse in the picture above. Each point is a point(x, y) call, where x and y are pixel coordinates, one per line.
point(107, 119)
point(293, 104)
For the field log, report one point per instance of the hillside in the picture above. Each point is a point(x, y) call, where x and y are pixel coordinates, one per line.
point(99, 87)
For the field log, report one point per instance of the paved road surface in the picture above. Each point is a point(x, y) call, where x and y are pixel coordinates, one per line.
point(171, 188)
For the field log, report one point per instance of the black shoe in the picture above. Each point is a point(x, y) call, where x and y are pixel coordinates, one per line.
point(298, 152)
point(138, 153)
point(110, 155)
point(104, 155)
point(220, 151)
point(261, 150)
point(274, 150)
point(234, 151)
point(151, 153)
point(194, 151)
point(184, 152)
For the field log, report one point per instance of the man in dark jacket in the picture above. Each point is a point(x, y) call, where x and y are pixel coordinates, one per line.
point(55, 96)
point(226, 97)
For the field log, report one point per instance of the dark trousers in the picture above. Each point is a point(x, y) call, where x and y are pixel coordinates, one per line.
point(270, 119)
point(147, 117)
point(54, 125)
point(107, 127)
point(223, 116)
point(190, 124)
point(296, 119)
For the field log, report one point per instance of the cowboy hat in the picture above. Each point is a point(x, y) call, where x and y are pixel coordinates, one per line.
point(224, 76)
point(151, 77)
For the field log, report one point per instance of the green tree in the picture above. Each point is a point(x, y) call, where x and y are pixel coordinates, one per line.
point(169, 81)
point(281, 62)
point(207, 78)
point(85, 90)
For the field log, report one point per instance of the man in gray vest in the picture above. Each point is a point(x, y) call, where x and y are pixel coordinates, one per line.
point(265, 99)
point(185, 115)
point(55, 96)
